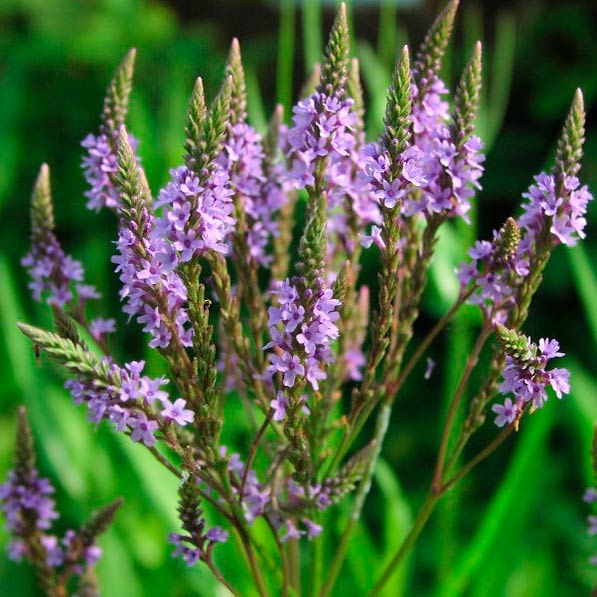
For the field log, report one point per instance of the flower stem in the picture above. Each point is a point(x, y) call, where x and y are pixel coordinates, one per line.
point(216, 572)
point(381, 428)
point(482, 455)
point(455, 403)
point(418, 525)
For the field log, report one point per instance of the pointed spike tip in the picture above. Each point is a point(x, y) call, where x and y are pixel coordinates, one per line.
point(579, 100)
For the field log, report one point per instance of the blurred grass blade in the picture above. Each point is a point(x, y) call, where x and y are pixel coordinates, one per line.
point(285, 61)
point(397, 521)
point(585, 281)
point(376, 78)
point(583, 402)
point(255, 107)
point(503, 523)
point(11, 100)
point(312, 33)
point(500, 77)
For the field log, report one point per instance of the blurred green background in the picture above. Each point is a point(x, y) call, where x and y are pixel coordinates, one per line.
point(516, 527)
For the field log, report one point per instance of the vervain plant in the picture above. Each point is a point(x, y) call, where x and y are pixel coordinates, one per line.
point(206, 271)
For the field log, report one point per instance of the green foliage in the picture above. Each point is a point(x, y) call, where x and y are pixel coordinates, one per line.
point(66, 51)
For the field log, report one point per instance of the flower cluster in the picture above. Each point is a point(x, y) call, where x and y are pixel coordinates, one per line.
point(196, 217)
point(185, 545)
point(261, 196)
point(451, 170)
point(53, 272)
point(25, 500)
point(283, 507)
point(324, 129)
point(386, 193)
point(450, 176)
point(496, 276)
point(30, 509)
point(430, 111)
point(563, 212)
point(526, 377)
point(151, 287)
point(100, 168)
point(134, 403)
point(591, 498)
point(27, 505)
point(301, 328)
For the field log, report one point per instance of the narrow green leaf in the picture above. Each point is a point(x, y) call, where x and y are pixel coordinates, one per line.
point(517, 494)
point(312, 33)
point(285, 61)
point(397, 521)
point(585, 281)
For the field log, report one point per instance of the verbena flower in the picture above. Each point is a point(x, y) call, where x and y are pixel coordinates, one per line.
point(195, 218)
point(526, 376)
point(152, 289)
point(262, 197)
point(301, 328)
point(134, 403)
point(100, 169)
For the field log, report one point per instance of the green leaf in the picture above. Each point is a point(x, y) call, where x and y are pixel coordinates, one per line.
point(585, 281)
point(517, 494)
point(397, 521)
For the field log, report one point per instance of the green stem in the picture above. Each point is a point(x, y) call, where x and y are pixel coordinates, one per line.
point(381, 429)
point(216, 572)
point(413, 535)
point(455, 403)
point(482, 455)
point(295, 565)
point(316, 565)
point(391, 389)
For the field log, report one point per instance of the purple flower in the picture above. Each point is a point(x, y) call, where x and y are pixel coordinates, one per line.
point(280, 404)
point(27, 498)
point(429, 369)
point(53, 273)
point(100, 169)
point(564, 215)
point(506, 413)
point(152, 291)
point(196, 218)
point(261, 196)
point(176, 412)
point(100, 326)
point(527, 378)
point(142, 429)
point(217, 535)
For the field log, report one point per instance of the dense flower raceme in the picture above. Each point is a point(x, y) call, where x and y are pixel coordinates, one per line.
point(152, 289)
point(527, 378)
point(496, 279)
point(591, 498)
point(261, 196)
point(195, 218)
point(100, 168)
point(324, 128)
point(26, 502)
point(134, 403)
point(59, 279)
point(450, 174)
point(54, 273)
point(301, 328)
point(563, 212)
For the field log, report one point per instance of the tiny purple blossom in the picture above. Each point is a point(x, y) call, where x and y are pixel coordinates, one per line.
point(176, 412)
point(142, 429)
